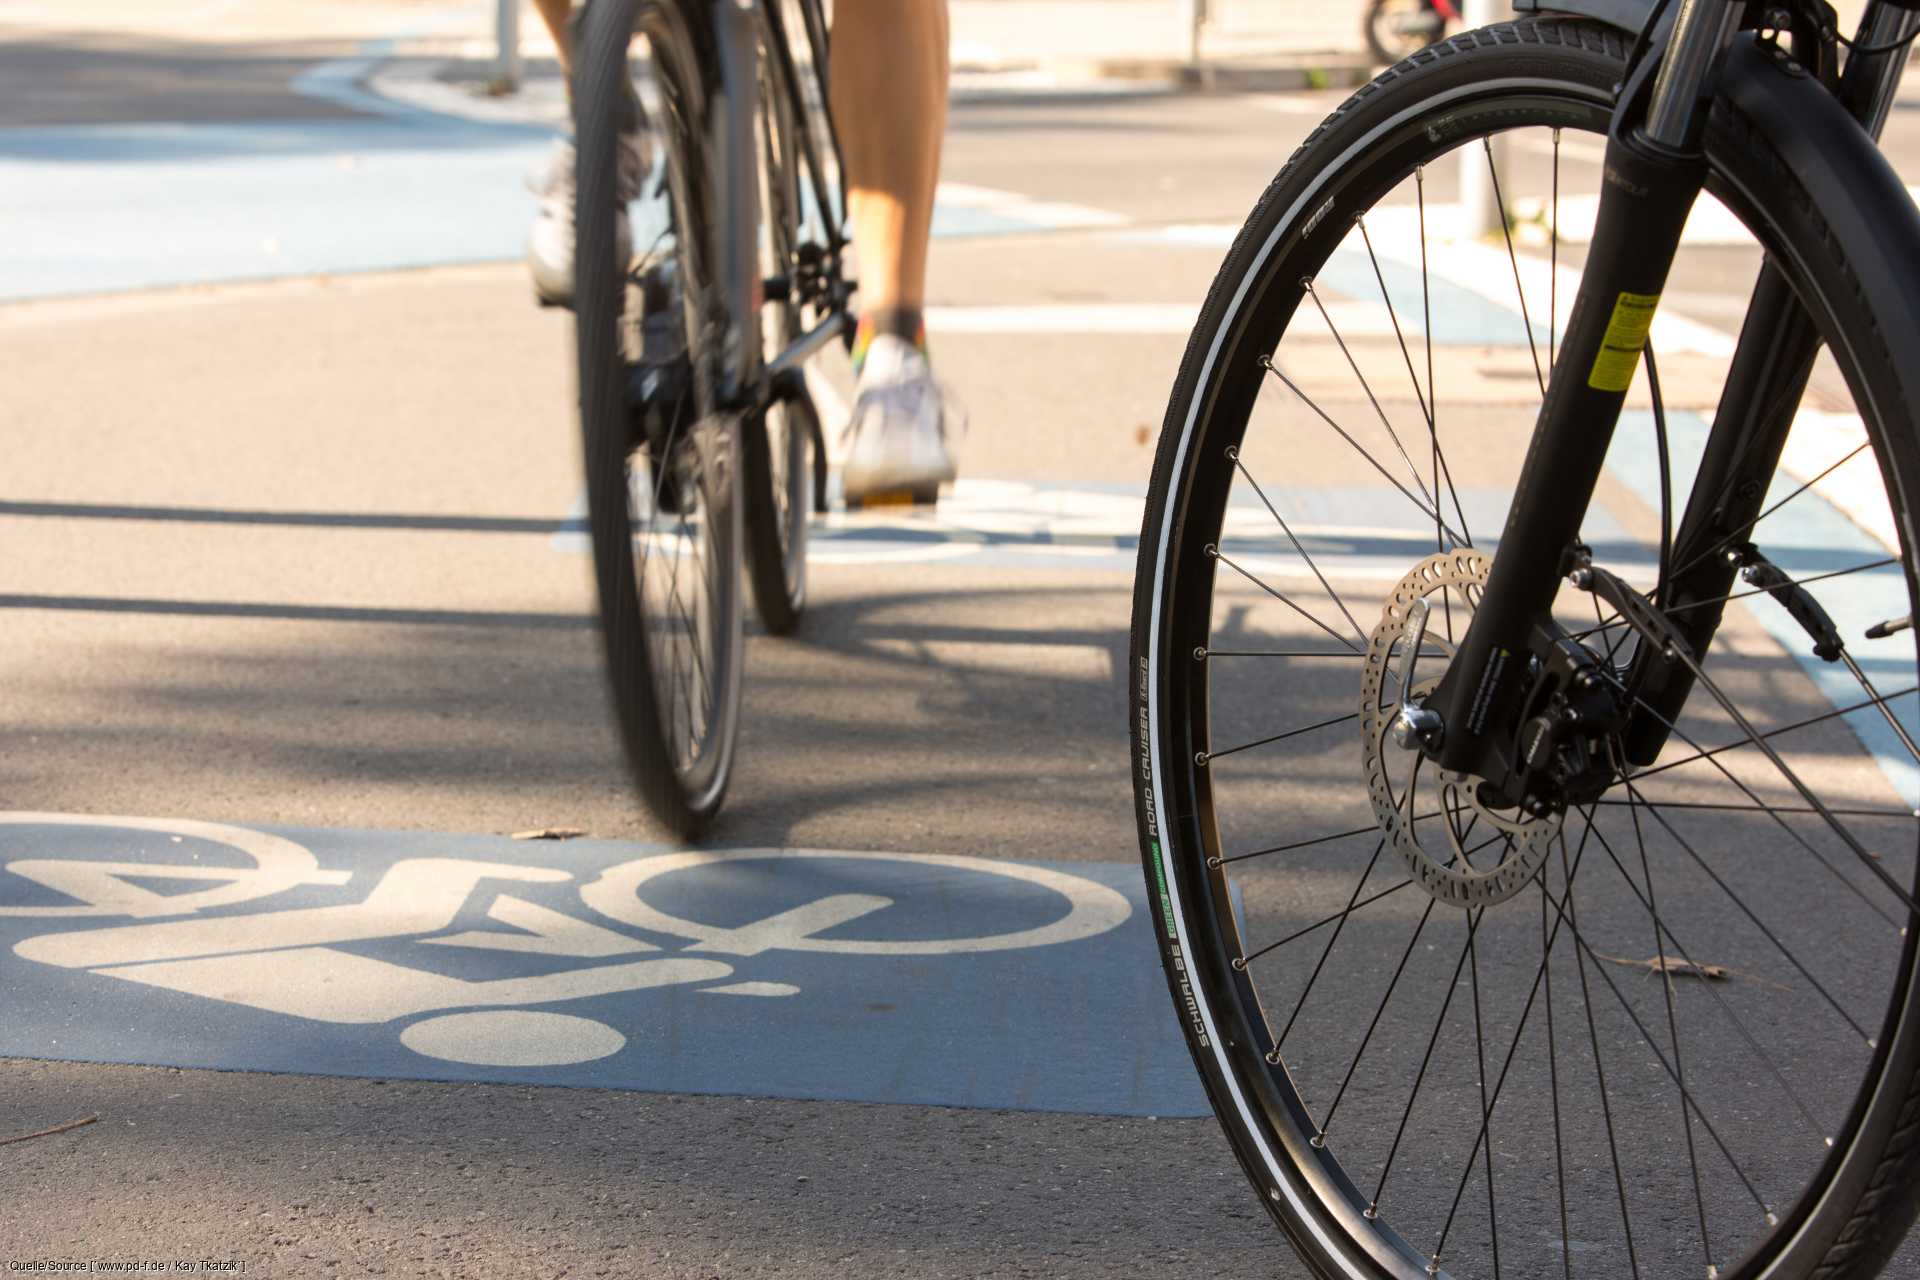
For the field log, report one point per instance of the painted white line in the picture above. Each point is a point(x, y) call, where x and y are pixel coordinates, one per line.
point(1355, 319)
point(1087, 317)
point(1051, 214)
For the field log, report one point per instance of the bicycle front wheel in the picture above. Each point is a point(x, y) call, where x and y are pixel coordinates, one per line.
point(662, 457)
point(1666, 1030)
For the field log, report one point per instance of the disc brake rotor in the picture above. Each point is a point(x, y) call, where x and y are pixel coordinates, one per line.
point(1439, 846)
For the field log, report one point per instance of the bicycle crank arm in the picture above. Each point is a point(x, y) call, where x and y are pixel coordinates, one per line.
point(834, 326)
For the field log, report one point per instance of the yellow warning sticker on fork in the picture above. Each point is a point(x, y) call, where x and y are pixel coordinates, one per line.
point(1626, 334)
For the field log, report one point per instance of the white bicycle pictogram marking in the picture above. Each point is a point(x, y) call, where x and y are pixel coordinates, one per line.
point(1092, 908)
point(291, 962)
point(279, 865)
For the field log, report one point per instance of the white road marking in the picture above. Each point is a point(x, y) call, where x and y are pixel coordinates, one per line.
point(417, 895)
point(513, 1038)
point(339, 986)
point(1053, 215)
point(1098, 317)
point(1092, 908)
point(279, 865)
point(548, 933)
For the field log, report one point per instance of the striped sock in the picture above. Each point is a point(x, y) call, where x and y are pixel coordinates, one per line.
point(901, 322)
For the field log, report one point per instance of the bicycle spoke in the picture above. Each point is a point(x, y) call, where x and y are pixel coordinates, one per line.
point(1301, 1003)
point(1217, 554)
point(1400, 338)
point(1386, 1169)
point(1794, 780)
point(1748, 808)
point(1868, 567)
point(1873, 695)
point(1741, 533)
point(1500, 207)
point(1428, 510)
point(1762, 807)
point(1553, 1054)
point(1393, 983)
point(1208, 757)
point(1368, 389)
point(1664, 578)
point(1440, 468)
point(1688, 1101)
point(1673, 1026)
point(1553, 269)
point(1348, 654)
point(1261, 493)
point(1297, 934)
point(1739, 1025)
point(1809, 722)
point(1483, 1140)
point(1369, 829)
point(1687, 847)
point(1593, 1038)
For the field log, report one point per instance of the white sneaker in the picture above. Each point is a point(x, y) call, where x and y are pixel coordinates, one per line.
point(550, 246)
point(898, 427)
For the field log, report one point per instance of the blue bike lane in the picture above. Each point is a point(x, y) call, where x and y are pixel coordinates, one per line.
point(799, 973)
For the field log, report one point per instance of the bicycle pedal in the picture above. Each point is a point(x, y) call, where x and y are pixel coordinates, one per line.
point(923, 496)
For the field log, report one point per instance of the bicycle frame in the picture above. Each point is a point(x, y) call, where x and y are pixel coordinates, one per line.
point(1488, 719)
point(746, 383)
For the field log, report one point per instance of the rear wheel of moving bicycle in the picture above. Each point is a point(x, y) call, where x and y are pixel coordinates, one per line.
point(663, 463)
point(1665, 1028)
point(778, 445)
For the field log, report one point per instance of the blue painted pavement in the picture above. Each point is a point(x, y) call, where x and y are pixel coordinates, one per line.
point(106, 208)
point(871, 977)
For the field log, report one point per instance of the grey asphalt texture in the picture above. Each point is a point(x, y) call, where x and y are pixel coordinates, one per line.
point(174, 666)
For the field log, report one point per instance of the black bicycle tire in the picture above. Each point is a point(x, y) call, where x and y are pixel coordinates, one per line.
point(777, 568)
point(684, 801)
point(1870, 1191)
point(776, 523)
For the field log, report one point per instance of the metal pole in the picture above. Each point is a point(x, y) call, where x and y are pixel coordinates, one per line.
point(1193, 16)
point(1480, 211)
point(506, 35)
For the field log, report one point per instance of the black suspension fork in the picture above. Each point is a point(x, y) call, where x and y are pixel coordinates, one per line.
point(1652, 175)
point(1765, 383)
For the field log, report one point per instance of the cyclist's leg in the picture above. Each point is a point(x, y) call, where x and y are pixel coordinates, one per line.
point(550, 244)
point(554, 14)
point(889, 100)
